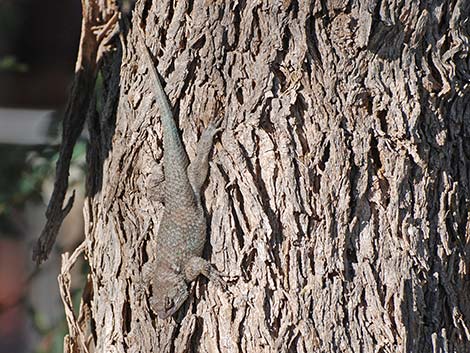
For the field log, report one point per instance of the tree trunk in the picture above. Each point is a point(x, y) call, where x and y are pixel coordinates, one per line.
point(338, 193)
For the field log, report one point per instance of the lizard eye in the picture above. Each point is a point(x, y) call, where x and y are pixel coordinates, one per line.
point(168, 303)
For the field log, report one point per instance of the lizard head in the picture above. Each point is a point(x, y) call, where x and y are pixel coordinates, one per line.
point(169, 294)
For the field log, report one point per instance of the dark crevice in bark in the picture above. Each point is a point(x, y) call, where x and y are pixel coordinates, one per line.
point(293, 8)
point(354, 203)
point(313, 54)
point(273, 215)
point(247, 262)
point(298, 110)
point(255, 171)
point(433, 69)
point(162, 33)
point(241, 332)
point(311, 258)
point(238, 228)
point(382, 116)
point(239, 95)
point(126, 314)
point(196, 335)
point(298, 255)
point(189, 9)
point(346, 319)
point(145, 11)
point(315, 180)
point(301, 234)
point(325, 156)
point(279, 81)
point(171, 11)
point(93, 154)
point(354, 173)
point(183, 42)
point(198, 44)
point(375, 10)
point(229, 47)
point(265, 118)
point(267, 308)
point(324, 14)
point(292, 348)
point(255, 32)
point(374, 153)
point(285, 39)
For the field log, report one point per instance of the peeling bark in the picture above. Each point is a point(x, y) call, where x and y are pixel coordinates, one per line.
point(338, 195)
point(98, 28)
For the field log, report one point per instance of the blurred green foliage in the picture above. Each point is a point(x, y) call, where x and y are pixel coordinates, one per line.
point(52, 338)
point(9, 63)
point(23, 172)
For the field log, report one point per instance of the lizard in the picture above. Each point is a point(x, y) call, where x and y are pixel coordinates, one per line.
point(182, 232)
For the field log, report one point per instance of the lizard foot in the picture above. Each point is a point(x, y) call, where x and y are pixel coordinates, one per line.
point(197, 265)
point(215, 126)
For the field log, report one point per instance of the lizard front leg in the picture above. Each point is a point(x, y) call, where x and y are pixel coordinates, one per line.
point(199, 167)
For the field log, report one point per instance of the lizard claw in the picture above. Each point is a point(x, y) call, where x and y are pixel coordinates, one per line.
point(215, 125)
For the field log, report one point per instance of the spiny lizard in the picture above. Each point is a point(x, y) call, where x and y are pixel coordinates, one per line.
point(182, 233)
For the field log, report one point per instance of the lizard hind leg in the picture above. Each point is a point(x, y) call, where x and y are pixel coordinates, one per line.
point(199, 167)
point(197, 265)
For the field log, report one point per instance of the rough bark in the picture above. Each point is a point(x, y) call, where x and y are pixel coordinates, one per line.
point(338, 195)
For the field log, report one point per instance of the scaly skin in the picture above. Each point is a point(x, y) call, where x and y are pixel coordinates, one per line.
point(182, 232)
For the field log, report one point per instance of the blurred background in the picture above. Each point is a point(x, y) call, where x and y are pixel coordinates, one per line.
point(38, 47)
